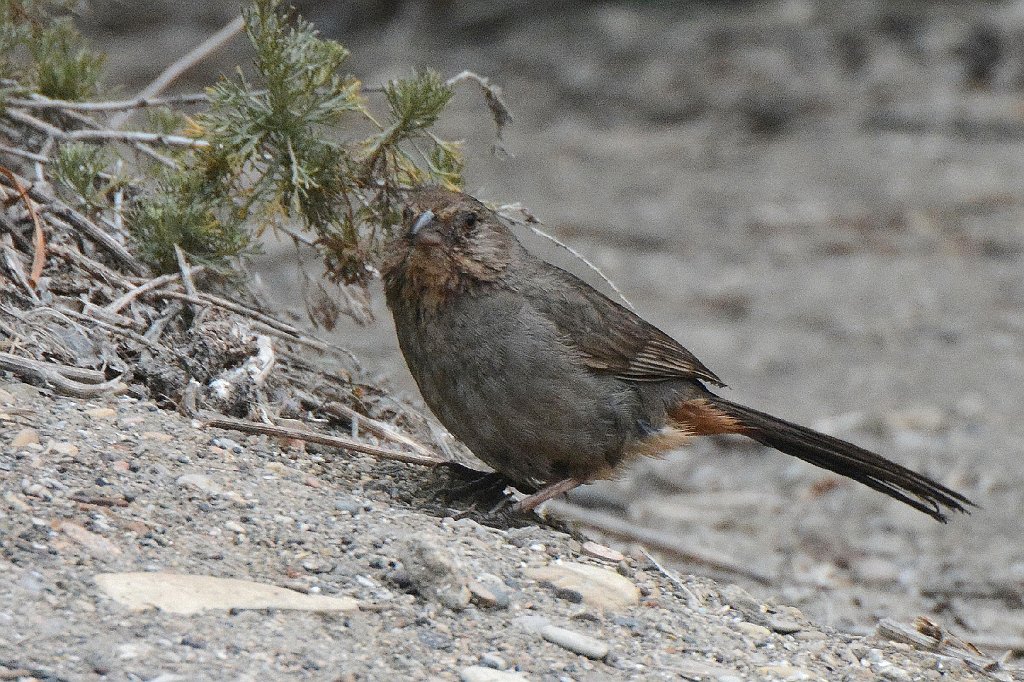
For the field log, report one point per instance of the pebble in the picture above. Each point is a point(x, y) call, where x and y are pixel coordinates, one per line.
point(601, 552)
point(493, 660)
point(784, 671)
point(101, 412)
point(754, 631)
point(158, 436)
point(227, 444)
point(63, 448)
point(434, 573)
point(576, 642)
point(199, 482)
point(479, 673)
point(595, 586)
point(783, 626)
point(488, 597)
point(700, 670)
point(25, 437)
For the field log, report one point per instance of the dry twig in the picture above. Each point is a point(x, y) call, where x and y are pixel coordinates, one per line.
point(622, 529)
point(59, 377)
point(172, 72)
point(322, 439)
point(377, 428)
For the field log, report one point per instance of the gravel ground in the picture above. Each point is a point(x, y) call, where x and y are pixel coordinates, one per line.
point(91, 489)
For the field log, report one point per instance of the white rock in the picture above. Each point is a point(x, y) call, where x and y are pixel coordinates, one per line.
point(576, 642)
point(188, 594)
point(599, 587)
point(478, 673)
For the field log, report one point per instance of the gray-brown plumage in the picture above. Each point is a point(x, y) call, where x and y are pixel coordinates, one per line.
point(554, 384)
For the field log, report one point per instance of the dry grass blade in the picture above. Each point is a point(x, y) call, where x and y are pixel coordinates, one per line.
point(39, 241)
point(322, 439)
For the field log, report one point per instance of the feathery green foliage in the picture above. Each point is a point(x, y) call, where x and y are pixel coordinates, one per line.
point(81, 170)
point(45, 52)
point(297, 141)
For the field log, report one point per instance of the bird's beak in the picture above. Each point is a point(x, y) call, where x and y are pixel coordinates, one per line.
point(421, 233)
point(422, 220)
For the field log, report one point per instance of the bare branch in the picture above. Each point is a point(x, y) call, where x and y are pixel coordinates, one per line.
point(39, 102)
point(322, 439)
point(63, 379)
point(172, 72)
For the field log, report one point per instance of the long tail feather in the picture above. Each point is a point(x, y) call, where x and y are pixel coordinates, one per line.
point(846, 459)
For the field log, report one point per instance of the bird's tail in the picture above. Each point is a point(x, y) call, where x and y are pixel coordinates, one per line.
point(839, 456)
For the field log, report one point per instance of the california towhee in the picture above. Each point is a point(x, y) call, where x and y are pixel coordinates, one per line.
point(554, 384)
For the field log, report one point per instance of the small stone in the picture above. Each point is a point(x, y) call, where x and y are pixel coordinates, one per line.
point(97, 545)
point(199, 482)
point(157, 436)
point(63, 448)
point(754, 631)
point(25, 437)
point(348, 504)
point(596, 586)
point(487, 597)
point(602, 552)
point(784, 671)
point(532, 624)
point(36, 490)
point(699, 670)
point(575, 642)
point(493, 660)
point(226, 444)
point(479, 673)
point(101, 412)
point(782, 625)
point(434, 573)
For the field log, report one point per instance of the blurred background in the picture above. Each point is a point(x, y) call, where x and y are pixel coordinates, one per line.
point(821, 199)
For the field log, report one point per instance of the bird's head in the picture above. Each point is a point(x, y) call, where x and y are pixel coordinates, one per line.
point(449, 243)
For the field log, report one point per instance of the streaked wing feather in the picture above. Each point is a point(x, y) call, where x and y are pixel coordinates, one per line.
point(613, 339)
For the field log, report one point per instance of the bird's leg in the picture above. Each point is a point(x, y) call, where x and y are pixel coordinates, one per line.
point(531, 502)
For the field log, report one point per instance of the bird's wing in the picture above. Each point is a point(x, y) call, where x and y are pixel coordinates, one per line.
point(612, 339)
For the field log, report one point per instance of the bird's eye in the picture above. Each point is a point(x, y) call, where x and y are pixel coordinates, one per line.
point(471, 219)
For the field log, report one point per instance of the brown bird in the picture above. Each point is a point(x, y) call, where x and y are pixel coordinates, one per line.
point(552, 383)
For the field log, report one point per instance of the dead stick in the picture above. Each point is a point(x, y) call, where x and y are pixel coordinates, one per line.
point(154, 283)
point(616, 527)
point(89, 376)
point(377, 428)
point(322, 439)
point(51, 375)
point(194, 56)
